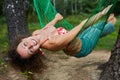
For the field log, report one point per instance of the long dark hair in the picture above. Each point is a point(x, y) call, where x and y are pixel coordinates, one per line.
point(33, 64)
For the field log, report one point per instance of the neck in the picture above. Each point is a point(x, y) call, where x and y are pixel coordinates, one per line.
point(41, 38)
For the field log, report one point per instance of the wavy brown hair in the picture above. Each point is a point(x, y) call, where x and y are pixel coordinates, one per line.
point(33, 64)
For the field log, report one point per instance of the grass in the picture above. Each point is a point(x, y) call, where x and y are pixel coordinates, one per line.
point(108, 42)
point(3, 38)
point(3, 66)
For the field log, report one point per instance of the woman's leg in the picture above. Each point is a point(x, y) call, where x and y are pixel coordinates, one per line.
point(91, 36)
point(89, 39)
point(109, 27)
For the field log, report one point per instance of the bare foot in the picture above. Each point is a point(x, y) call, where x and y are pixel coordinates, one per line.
point(104, 12)
point(112, 19)
point(59, 16)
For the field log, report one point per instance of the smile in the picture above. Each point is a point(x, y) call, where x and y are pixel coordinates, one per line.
point(35, 41)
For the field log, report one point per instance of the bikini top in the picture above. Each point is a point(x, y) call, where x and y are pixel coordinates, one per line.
point(60, 31)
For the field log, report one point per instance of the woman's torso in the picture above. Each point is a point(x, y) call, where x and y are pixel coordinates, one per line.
point(51, 33)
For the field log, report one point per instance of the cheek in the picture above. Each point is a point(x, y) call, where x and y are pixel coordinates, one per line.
point(22, 53)
point(36, 47)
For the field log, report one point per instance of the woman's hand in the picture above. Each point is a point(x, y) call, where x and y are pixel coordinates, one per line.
point(58, 16)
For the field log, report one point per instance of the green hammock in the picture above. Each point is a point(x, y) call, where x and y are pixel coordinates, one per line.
point(46, 12)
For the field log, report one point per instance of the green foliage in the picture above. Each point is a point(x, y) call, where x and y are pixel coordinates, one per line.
point(65, 6)
point(117, 8)
point(74, 6)
point(109, 41)
point(33, 18)
point(3, 38)
point(76, 19)
point(2, 21)
point(27, 74)
point(33, 26)
point(3, 66)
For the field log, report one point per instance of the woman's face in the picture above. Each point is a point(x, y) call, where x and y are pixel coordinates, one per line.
point(28, 46)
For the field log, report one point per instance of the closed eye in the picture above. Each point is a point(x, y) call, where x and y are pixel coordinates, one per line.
point(30, 51)
point(25, 44)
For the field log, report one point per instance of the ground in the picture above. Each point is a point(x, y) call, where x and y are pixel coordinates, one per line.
point(63, 67)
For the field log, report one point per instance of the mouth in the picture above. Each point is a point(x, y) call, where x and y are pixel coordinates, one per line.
point(35, 41)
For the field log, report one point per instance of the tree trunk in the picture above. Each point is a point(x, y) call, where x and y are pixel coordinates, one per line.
point(16, 17)
point(112, 69)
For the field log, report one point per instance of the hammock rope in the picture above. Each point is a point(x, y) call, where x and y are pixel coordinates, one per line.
point(46, 12)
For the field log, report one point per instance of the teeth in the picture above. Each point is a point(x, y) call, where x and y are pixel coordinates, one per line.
point(34, 42)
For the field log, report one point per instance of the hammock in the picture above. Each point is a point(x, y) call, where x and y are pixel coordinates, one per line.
point(46, 12)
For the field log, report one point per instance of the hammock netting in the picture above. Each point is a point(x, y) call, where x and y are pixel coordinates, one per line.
point(46, 12)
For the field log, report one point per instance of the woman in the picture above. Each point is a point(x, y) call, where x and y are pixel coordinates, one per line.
point(26, 55)
point(55, 39)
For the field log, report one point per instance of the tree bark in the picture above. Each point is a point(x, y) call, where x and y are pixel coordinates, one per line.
point(16, 12)
point(112, 69)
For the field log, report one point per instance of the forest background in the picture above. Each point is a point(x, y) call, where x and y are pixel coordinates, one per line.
point(74, 11)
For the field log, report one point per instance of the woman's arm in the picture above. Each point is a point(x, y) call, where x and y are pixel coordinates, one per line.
point(57, 18)
point(62, 40)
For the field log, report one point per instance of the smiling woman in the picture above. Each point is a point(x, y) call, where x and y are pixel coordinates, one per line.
point(54, 39)
point(28, 46)
point(32, 64)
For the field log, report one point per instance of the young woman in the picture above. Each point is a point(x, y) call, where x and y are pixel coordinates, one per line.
point(54, 39)
point(26, 55)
